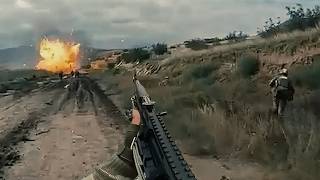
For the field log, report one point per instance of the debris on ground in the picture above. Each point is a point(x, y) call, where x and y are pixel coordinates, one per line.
point(42, 132)
point(225, 178)
point(226, 167)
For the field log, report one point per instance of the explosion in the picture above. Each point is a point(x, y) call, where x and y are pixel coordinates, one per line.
point(57, 56)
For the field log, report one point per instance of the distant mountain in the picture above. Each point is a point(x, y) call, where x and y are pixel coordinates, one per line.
point(18, 57)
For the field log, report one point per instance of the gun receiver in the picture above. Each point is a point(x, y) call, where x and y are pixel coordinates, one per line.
point(156, 155)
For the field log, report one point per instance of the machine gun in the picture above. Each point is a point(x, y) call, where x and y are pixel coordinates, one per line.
point(155, 153)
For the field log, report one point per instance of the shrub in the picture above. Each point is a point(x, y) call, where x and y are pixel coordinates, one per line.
point(196, 44)
point(136, 54)
point(248, 66)
point(160, 48)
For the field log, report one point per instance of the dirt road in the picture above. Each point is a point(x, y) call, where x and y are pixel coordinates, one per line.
point(58, 133)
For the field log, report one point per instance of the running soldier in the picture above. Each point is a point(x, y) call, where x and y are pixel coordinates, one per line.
point(282, 91)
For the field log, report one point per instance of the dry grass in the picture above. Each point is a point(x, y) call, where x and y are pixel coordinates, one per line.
point(233, 118)
point(289, 39)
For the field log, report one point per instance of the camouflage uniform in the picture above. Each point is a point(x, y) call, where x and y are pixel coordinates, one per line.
point(282, 91)
point(121, 166)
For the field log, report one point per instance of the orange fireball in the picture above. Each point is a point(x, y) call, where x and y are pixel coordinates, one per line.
point(57, 56)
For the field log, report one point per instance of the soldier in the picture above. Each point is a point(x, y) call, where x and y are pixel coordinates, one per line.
point(121, 166)
point(60, 75)
point(77, 74)
point(282, 91)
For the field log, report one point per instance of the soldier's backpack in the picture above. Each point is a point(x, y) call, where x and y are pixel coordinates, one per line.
point(282, 86)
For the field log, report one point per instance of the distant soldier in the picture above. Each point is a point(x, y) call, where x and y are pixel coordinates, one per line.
point(77, 74)
point(282, 91)
point(60, 75)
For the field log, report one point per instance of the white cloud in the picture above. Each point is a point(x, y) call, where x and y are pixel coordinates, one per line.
point(26, 26)
point(22, 4)
point(107, 22)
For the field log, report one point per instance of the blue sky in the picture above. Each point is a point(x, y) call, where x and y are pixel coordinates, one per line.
point(126, 23)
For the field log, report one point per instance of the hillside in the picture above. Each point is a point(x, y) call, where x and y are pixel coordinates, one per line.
point(220, 93)
point(15, 58)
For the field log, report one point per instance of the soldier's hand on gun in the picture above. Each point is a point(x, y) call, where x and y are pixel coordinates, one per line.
point(136, 119)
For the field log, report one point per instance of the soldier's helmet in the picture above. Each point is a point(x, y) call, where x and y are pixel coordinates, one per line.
point(284, 71)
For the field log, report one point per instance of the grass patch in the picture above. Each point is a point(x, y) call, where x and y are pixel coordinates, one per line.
point(308, 76)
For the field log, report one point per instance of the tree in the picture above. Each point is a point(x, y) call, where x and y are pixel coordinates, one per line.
point(160, 48)
point(298, 19)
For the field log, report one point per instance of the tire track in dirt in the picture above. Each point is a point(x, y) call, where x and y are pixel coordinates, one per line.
point(17, 121)
point(83, 130)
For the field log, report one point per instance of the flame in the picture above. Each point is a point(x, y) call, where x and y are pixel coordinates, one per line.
point(57, 56)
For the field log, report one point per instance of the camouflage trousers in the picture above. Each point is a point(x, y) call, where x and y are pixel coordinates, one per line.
point(121, 166)
point(279, 105)
point(115, 169)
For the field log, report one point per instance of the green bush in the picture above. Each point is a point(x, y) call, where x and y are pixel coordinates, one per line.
point(248, 66)
point(136, 54)
point(160, 48)
point(196, 44)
